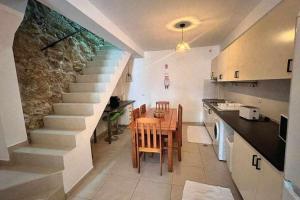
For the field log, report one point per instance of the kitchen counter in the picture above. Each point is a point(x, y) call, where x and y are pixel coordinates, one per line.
point(261, 135)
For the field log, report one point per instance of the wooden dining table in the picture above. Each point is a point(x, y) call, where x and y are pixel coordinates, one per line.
point(168, 126)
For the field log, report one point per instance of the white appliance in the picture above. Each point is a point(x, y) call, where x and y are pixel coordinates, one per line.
point(209, 119)
point(291, 186)
point(249, 112)
point(221, 132)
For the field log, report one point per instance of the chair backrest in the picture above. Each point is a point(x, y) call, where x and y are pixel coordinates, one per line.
point(180, 118)
point(162, 105)
point(135, 114)
point(148, 133)
point(143, 109)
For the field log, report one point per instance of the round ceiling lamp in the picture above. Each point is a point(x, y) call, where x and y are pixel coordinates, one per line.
point(191, 23)
point(182, 25)
point(182, 46)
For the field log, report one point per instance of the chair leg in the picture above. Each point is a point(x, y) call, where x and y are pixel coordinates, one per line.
point(138, 162)
point(179, 152)
point(161, 158)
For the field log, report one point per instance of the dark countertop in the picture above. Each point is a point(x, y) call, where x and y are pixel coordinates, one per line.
point(262, 135)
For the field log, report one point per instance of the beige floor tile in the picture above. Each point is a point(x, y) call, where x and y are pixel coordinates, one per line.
point(151, 171)
point(113, 176)
point(190, 147)
point(189, 159)
point(149, 190)
point(123, 167)
point(89, 186)
point(216, 172)
point(116, 188)
point(182, 173)
point(76, 198)
point(176, 193)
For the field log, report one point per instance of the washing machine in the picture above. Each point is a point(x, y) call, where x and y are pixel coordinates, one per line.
point(221, 132)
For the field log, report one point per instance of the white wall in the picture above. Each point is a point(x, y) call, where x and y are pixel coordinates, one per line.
point(272, 96)
point(188, 73)
point(258, 12)
point(11, 113)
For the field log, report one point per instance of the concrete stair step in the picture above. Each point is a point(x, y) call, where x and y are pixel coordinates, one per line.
point(99, 70)
point(30, 182)
point(41, 155)
point(65, 122)
point(82, 97)
point(58, 138)
point(87, 87)
point(73, 109)
point(93, 78)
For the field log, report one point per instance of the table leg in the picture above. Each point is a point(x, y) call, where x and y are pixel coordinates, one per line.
point(170, 151)
point(133, 149)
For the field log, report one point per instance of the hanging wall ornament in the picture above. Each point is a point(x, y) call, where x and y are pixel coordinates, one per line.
point(166, 77)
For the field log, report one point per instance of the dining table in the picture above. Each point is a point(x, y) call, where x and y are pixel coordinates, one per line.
point(168, 126)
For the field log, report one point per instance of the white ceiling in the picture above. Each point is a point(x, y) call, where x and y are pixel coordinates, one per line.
point(144, 21)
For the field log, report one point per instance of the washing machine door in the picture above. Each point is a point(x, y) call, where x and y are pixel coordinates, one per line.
point(216, 137)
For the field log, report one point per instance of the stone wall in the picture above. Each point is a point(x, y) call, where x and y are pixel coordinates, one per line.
point(44, 75)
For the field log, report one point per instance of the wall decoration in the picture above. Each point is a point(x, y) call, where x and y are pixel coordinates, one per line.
point(166, 77)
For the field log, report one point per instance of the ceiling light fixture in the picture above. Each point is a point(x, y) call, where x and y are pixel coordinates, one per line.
point(182, 46)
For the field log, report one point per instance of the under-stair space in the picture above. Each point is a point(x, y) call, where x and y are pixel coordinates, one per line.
point(62, 146)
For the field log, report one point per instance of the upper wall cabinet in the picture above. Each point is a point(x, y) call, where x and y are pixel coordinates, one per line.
point(264, 50)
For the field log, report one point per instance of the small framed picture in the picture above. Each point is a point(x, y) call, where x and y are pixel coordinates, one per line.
point(290, 65)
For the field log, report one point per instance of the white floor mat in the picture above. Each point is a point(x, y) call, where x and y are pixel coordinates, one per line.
point(198, 191)
point(198, 134)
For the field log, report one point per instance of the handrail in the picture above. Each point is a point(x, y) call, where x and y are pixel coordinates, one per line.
point(61, 39)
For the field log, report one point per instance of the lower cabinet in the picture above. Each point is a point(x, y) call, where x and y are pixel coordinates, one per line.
point(254, 176)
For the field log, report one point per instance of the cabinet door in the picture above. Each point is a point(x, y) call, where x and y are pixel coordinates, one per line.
point(270, 182)
point(243, 173)
point(214, 68)
point(268, 44)
point(222, 65)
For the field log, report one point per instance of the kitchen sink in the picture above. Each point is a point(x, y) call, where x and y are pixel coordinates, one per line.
point(227, 106)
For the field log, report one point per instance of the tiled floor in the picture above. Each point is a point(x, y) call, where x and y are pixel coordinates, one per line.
point(114, 178)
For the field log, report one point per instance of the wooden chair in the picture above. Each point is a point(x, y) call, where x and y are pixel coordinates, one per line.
point(162, 105)
point(143, 109)
point(135, 114)
point(149, 139)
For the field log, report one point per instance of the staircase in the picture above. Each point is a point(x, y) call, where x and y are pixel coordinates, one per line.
point(63, 145)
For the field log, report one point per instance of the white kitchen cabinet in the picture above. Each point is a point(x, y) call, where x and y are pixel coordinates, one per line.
point(263, 51)
point(222, 65)
point(243, 173)
point(254, 184)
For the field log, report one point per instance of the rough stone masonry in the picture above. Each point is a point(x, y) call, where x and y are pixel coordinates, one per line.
point(44, 75)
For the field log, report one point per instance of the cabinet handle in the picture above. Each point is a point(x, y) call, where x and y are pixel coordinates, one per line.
point(221, 76)
point(236, 74)
point(257, 166)
point(253, 160)
point(290, 65)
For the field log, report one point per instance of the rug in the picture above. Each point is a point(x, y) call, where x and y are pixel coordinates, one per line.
point(198, 134)
point(198, 191)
